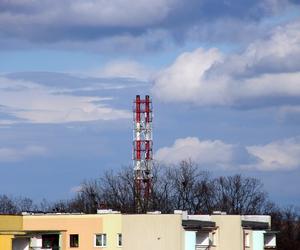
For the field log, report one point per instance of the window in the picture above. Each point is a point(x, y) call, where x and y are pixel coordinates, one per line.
point(100, 240)
point(270, 240)
point(74, 240)
point(119, 238)
point(50, 241)
point(202, 238)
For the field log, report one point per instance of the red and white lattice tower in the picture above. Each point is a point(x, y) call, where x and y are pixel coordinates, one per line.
point(142, 152)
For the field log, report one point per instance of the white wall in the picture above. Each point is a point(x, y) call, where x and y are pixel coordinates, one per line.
point(36, 241)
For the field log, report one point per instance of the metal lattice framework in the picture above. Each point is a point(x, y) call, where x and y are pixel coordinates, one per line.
point(142, 152)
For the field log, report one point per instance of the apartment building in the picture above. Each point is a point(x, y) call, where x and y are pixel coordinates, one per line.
point(153, 231)
point(232, 232)
point(256, 232)
point(61, 232)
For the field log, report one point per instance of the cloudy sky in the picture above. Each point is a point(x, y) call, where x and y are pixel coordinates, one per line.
point(224, 76)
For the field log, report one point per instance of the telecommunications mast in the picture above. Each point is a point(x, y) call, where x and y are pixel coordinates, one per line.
point(142, 152)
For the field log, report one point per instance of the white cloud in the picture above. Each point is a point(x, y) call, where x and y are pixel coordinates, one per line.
point(150, 40)
point(277, 155)
point(273, 6)
point(119, 13)
point(17, 154)
point(80, 23)
point(5, 122)
point(182, 80)
point(267, 69)
point(34, 103)
point(89, 25)
point(129, 69)
point(205, 153)
point(76, 189)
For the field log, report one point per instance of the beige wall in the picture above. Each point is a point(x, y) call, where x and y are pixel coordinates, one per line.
point(152, 232)
point(112, 227)
point(230, 232)
point(84, 225)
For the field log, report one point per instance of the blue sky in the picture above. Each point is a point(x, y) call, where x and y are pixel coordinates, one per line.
point(224, 77)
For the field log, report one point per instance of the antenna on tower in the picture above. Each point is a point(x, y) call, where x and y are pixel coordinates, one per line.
point(142, 152)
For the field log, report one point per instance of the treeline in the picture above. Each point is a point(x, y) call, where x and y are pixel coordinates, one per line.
point(183, 187)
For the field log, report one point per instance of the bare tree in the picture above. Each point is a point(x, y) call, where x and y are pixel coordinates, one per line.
point(118, 190)
point(16, 205)
point(183, 186)
point(162, 190)
point(7, 205)
point(286, 221)
point(44, 206)
point(239, 195)
point(113, 190)
point(204, 195)
point(60, 206)
point(187, 181)
point(24, 204)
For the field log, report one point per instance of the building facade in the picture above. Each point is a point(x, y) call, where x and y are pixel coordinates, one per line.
point(152, 231)
point(111, 230)
point(10, 227)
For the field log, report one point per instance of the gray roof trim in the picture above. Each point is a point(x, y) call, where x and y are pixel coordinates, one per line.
point(197, 224)
point(271, 232)
point(255, 225)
